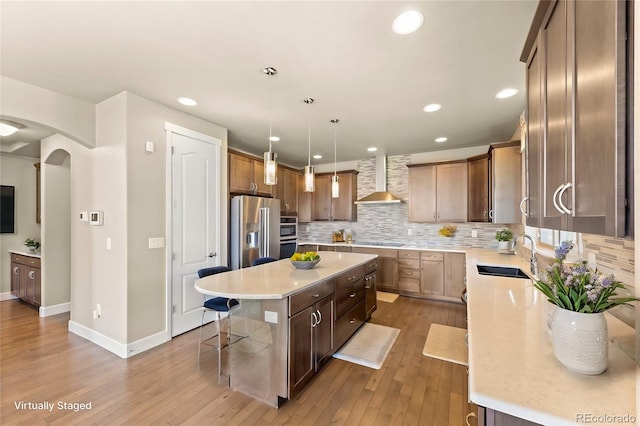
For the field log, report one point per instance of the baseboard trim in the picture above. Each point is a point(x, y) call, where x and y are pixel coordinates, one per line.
point(146, 343)
point(99, 339)
point(120, 349)
point(6, 296)
point(47, 311)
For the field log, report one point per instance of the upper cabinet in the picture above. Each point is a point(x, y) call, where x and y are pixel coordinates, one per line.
point(438, 192)
point(506, 183)
point(478, 184)
point(246, 175)
point(320, 206)
point(576, 117)
point(286, 190)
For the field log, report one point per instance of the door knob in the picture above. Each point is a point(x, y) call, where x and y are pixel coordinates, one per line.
point(213, 254)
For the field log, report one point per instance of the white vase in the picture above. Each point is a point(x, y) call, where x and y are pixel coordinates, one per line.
point(580, 341)
point(504, 245)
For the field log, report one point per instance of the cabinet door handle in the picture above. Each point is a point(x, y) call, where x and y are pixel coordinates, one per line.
point(434, 215)
point(314, 320)
point(409, 273)
point(491, 214)
point(352, 295)
point(32, 274)
point(316, 295)
point(16, 270)
point(562, 206)
point(319, 317)
point(524, 213)
point(555, 201)
point(351, 321)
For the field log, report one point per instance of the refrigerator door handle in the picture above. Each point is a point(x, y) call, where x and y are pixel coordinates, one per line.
point(264, 231)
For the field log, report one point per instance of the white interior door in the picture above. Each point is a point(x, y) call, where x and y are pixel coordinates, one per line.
point(195, 236)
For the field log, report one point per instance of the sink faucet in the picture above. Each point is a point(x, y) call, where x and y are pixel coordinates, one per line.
point(532, 260)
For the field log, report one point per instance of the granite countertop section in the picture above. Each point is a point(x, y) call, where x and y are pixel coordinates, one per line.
point(280, 279)
point(511, 363)
point(26, 253)
point(404, 246)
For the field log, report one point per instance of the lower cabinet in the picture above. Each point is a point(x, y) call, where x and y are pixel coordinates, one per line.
point(387, 267)
point(370, 289)
point(350, 304)
point(431, 274)
point(310, 333)
point(25, 278)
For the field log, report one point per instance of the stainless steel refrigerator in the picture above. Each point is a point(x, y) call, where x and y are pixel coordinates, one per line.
point(255, 229)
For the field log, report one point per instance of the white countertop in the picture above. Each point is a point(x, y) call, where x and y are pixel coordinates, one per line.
point(26, 253)
point(511, 363)
point(280, 279)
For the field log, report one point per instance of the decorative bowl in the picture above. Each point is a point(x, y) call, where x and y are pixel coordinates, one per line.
point(300, 264)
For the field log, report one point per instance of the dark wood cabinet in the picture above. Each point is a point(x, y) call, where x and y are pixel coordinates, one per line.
point(246, 175)
point(342, 208)
point(26, 278)
point(576, 117)
point(387, 267)
point(311, 328)
point(505, 189)
point(350, 311)
point(286, 190)
point(438, 192)
point(478, 184)
point(305, 203)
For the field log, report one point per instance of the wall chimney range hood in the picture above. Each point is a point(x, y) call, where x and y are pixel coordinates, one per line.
point(381, 196)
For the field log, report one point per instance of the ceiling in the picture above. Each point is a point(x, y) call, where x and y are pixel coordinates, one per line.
point(342, 54)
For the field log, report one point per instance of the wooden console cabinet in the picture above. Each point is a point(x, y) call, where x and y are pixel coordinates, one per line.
point(25, 278)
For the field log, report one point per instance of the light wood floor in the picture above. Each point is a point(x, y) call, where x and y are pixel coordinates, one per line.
point(41, 361)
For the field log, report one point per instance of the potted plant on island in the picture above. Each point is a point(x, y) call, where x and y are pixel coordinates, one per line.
point(580, 295)
point(505, 239)
point(32, 244)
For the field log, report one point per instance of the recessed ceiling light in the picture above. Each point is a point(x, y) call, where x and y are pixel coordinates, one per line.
point(441, 139)
point(407, 22)
point(506, 93)
point(372, 149)
point(432, 108)
point(274, 138)
point(317, 156)
point(7, 129)
point(187, 101)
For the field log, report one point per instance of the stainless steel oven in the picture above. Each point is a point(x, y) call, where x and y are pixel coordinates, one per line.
point(288, 236)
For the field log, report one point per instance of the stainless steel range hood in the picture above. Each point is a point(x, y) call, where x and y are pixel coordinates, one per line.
point(381, 196)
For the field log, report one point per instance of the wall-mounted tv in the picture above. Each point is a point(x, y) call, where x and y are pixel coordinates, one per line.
point(7, 209)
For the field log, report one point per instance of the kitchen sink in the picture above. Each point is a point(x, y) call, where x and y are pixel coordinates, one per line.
point(501, 271)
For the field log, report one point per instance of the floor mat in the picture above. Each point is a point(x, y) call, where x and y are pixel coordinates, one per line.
point(369, 346)
point(386, 297)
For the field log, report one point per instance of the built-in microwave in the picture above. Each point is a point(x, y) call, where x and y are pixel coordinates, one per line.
point(288, 228)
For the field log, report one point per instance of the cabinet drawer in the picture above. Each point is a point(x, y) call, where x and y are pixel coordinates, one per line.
point(409, 273)
point(348, 295)
point(348, 323)
point(26, 260)
point(409, 284)
point(408, 254)
point(306, 298)
point(350, 276)
point(371, 266)
point(409, 263)
point(432, 255)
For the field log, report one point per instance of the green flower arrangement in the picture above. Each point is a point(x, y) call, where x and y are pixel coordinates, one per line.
point(32, 244)
point(577, 288)
point(504, 235)
point(448, 230)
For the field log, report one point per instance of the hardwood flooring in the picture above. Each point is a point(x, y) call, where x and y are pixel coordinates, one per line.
point(40, 361)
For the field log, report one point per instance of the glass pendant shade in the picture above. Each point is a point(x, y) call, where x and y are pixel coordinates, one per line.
point(335, 186)
point(270, 168)
point(309, 178)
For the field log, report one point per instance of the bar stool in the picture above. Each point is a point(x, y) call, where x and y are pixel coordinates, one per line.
point(262, 260)
point(217, 305)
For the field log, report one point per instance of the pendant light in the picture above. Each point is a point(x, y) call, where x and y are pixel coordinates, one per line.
point(309, 176)
point(335, 184)
point(270, 165)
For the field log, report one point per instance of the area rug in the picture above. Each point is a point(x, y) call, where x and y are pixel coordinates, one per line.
point(369, 346)
point(386, 297)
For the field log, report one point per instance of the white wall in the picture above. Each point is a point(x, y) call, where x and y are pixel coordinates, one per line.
point(56, 229)
point(18, 172)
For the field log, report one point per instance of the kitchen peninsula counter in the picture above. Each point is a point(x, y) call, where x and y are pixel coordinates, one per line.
point(512, 368)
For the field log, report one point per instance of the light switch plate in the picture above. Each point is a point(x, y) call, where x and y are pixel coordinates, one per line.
point(148, 146)
point(156, 242)
point(84, 216)
point(96, 218)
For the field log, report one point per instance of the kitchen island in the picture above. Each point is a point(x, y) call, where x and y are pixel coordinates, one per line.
point(264, 360)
